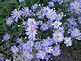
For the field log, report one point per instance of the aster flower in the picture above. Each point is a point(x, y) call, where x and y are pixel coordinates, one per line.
point(47, 57)
point(16, 14)
point(9, 21)
point(57, 24)
point(41, 55)
point(31, 23)
point(78, 37)
point(26, 46)
point(39, 22)
point(72, 21)
point(28, 55)
point(46, 10)
point(31, 43)
point(45, 42)
point(14, 49)
point(51, 4)
point(37, 45)
point(61, 29)
point(58, 37)
point(75, 33)
point(7, 60)
point(79, 20)
point(68, 41)
point(24, 22)
point(21, 1)
point(59, 16)
point(31, 32)
point(51, 15)
point(44, 27)
point(20, 41)
point(6, 37)
point(26, 12)
point(49, 22)
point(40, 14)
point(76, 6)
point(1, 59)
point(56, 51)
point(34, 6)
point(48, 49)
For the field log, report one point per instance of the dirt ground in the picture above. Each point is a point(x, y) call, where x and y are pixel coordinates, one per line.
point(73, 55)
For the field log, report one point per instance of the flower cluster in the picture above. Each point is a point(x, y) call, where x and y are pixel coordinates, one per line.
point(76, 6)
point(45, 29)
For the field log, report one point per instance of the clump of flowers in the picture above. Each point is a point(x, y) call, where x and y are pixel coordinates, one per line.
point(44, 29)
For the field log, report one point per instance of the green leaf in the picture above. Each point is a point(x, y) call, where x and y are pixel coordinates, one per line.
point(28, 2)
point(10, 1)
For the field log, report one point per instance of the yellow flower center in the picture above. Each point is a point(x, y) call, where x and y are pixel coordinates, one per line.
point(32, 22)
point(31, 31)
point(42, 52)
point(26, 46)
point(76, 4)
point(6, 36)
point(16, 14)
point(30, 43)
point(45, 42)
point(74, 32)
point(50, 16)
point(14, 48)
point(9, 21)
point(56, 24)
point(57, 36)
point(46, 11)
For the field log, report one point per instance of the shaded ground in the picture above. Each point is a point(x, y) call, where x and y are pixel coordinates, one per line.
point(69, 55)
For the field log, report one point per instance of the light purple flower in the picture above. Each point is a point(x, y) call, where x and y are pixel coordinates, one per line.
point(48, 49)
point(51, 4)
point(21, 1)
point(59, 16)
point(7, 60)
point(75, 7)
point(51, 15)
point(16, 14)
point(44, 27)
point(28, 55)
point(56, 51)
point(14, 49)
point(26, 46)
point(45, 42)
point(26, 12)
point(46, 10)
point(68, 41)
point(79, 20)
point(6, 37)
point(41, 55)
point(31, 43)
point(40, 14)
point(49, 22)
point(37, 45)
point(57, 24)
point(58, 37)
point(72, 21)
point(31, 32)
point(34, 6)
point(19, 41)
point(9, 21)
point(61, 29)
point(39, 22)
point(75, 33)
point(31, 23)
